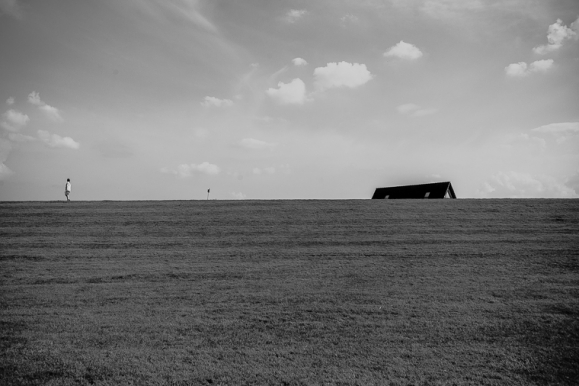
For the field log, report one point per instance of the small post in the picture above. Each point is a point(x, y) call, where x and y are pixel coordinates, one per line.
point(208, 190)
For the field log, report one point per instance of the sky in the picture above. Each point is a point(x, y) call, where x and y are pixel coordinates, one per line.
point(258, 99)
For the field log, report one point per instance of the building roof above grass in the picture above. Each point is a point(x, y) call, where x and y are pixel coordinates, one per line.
point(432, 190)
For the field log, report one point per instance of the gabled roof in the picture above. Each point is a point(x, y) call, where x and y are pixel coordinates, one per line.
point(433, 190)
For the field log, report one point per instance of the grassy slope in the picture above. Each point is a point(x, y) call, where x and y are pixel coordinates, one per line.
point(290, 292)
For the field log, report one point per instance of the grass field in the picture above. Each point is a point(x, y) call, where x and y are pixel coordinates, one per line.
point(355, 292)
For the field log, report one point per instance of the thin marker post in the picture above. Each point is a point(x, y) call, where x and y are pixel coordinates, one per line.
point(208, 190)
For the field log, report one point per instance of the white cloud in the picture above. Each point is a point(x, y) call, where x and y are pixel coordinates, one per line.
point(564, 127)
point(341, 74)
point(561, 131)
point(52, 112)
point(5, 172)
point(186, 170)
point(14, 120)
point(10, 101)
point(11, 8)
point(299, 62)
point(449, 8)
point(541, 65)
point(517, 69)
point(415, 110)
point(423, 112)
point(268, 170)
point(5, 148)
point(238, 196)
point(185, 9)
point(404, 50)
point(54, 140)
point(349, 19)
point(251, 143)
point(525, 140)
point(407, 108)
point(524, 185)
point(294, 15)
point(17, 137)
point(289, 93)
point(557, 33)
point(521, 69)
point(216, 102)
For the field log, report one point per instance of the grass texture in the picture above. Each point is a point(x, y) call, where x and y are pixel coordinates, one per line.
point(355, 292)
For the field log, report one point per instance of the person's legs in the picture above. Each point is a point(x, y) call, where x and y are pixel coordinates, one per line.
point(67, 193)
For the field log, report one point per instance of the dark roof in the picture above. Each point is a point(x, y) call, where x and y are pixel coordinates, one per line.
point(434, 190)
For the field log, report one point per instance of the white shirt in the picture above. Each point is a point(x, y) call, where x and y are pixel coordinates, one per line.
point(68, 186)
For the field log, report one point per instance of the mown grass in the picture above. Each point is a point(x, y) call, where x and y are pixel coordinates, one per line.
point(481, 292)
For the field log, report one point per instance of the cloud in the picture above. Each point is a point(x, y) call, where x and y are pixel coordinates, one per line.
point(299, 62)
point(186, 9)
point(268, 170)
point(289, 93)
point(5, 148)
point(524, 185)
point(449, 8)
point(54, 140)
point(557, 33)
point(11, 8)
point(562, 131)
point(111, 148)
point(17, 137)
point(341, 74)
point(52, 112)
point(216, 102)
point(415, 110)
point(251, 143)
point(294, 15)
point(186, 170)
point(564, 127)
point(403, 50)
point(238, 196)
point(10, 101)
point(525, 140)
point(521, 69)
point(349, 19)
point(14, 120)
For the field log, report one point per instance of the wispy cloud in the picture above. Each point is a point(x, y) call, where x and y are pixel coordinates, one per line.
point(267, 170)
point(341, 74)
point(294, 15)
point(403, 50)
point(238, 195)
point(216, 102)
point(521, 69)
point(11, 8)
point(50, 111)
point(250, 143)
point(5, 149)
point(415, 110)
point(187, 170)
point(561, 131)
point(55, 140)
point(14, 120)
point(293, 92)
point(299, 62)
point(525, 185)
point(557, 33)
point(186, 9)
point(10, 101)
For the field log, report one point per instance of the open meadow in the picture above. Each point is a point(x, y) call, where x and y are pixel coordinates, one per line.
point(352, 292)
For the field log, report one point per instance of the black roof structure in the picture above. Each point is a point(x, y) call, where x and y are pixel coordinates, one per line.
point(433, 190)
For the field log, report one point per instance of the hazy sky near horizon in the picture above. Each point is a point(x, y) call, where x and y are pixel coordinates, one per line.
point(164, 99)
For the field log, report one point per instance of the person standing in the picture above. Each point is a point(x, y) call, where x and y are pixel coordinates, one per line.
point(67, 189)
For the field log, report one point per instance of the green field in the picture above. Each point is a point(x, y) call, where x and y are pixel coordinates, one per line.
point(354, 292)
